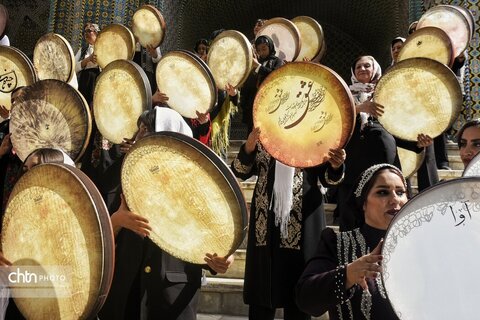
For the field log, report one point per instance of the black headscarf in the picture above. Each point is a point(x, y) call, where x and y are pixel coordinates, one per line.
point(271, 47)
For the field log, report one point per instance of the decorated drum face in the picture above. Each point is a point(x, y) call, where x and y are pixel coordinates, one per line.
point(285, 36)
point(230, 59)
point(433, 237)
point(303, 109)
point(16, 71)
point(57, 224)
point(189, 196)
point(148, 26)
point(51, 114)
point(115, 42)
point(311, 35)
point(452, 21)
point(418, 88)
point(122, 93)
point(410, 161)
point(473, 168)
point(188, 83)
point(53, 58)
point(428, 42)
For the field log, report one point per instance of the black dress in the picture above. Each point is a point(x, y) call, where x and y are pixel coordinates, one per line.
point(321, 287)
point(273, 263)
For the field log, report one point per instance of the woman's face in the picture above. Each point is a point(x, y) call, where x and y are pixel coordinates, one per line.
point(384, 199)
point(90, 34)
point(396, 50)
point(364, 70)
point(263, 50)
point(257, 27)
point(469, 144)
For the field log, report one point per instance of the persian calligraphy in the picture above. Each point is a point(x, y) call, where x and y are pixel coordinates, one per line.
point(305, 100)
point(460, 214)
point(8, 81)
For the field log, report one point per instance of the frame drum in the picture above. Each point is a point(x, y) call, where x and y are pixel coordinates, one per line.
point(451, 20)
point(285, 36)
point(190, 197)
point(3, 20)
point(56, 222)
point(303, 109)
point(122, 93)
point(473, 168)
point(230, 59)
point(410, 161)
point(115, 42)
point(188, 83)
point(428, 42)
point(418, 88)
point(430, 253)
point(17, 71)
point(148, 26)
point(53, 58)
point(51, 114)
point(311, 35)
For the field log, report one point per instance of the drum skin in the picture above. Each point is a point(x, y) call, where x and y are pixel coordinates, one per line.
point(230, 59)
point(303, 109)
point(428, 42)
point(51, 114)
point(190, 197)
point(122, 93)
point(17, 71)
point(451, 20)
point(285, 36)
point(188, 83)
point(473, 168)
point(311, 35)
point(56, 217)
point(418, 89)
point(53, 58)
point(148, 26)
point(410, 161)
point(435, 236)
point(115, 42)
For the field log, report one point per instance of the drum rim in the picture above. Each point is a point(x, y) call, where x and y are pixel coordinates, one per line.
point(85, 108)
point(472, 162)
point(160, 19)
point(429, 31)
point(105, 229)
point(433, 64)
point(317, 26)
point(349, 111)
point(459, 14)
point(212, 158)
point(468, 15)
point(127, 34)
point(49, 36)
point(247, 50)
point(203, 68)
point(289, 25)
point(141, 75)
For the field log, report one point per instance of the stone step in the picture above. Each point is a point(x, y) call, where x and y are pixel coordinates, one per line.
point(223, 296)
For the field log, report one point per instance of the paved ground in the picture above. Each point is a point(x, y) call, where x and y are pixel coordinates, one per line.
point(218, 317)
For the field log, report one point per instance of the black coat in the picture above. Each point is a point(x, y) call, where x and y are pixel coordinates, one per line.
point(274, 264)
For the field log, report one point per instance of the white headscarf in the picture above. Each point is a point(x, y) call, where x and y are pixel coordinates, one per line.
point(66, 158)
point(282, 199)
point(167, 119)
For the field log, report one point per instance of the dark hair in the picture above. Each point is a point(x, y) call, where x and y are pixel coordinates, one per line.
point(357, 202)
point(397, 39)
point(215, 34)
point(471, 123)
point(148, 119)
point(268, 41)
point(47, 155)
point(199, 42)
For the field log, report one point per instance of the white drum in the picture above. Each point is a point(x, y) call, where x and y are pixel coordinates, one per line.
point(431, 255)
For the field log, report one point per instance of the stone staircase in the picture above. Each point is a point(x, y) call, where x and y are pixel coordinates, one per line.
point(222, 295)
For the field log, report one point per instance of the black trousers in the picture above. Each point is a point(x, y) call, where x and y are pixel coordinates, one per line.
point(264, 313)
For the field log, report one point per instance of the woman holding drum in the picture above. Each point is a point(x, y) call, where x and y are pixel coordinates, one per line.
point(86, 63)
point(344, 276)
point(283, 229)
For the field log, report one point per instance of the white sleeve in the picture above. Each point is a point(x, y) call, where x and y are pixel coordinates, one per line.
point(5, 41)
point(159, 55)
point(78, 63)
